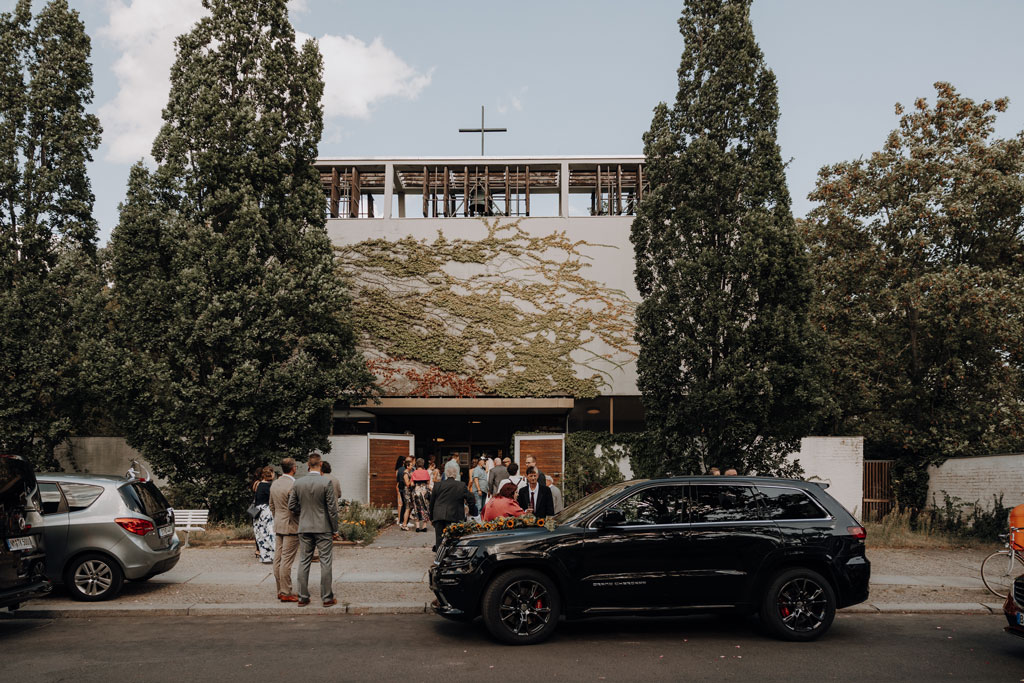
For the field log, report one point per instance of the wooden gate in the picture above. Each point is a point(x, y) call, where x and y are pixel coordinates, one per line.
point(384, 450)
point(878, 496)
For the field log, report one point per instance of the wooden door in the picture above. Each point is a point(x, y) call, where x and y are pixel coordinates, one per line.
point(547, 449)
point(384, 450)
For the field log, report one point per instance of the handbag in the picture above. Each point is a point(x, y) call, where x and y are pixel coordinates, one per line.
point(252, 510)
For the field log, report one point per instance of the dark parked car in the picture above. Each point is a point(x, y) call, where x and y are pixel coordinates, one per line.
point(101, 530)
point(784, 549)
point(1013, 608)
point(22, 557)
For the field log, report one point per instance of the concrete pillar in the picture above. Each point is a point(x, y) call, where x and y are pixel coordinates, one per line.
point(389, 188)
point(563, 191)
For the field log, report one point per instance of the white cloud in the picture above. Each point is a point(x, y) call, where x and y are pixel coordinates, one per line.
point(357, 75)
point(144, 32)
point(512, 100)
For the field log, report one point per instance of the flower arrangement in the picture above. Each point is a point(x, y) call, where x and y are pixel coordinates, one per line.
point(460, 529)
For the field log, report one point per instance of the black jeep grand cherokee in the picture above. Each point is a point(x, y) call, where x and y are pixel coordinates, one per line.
point(779, 547)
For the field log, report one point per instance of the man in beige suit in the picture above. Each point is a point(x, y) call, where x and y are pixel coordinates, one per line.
point(286, 529)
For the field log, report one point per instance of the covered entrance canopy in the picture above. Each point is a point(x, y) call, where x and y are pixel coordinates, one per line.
point(442, 427)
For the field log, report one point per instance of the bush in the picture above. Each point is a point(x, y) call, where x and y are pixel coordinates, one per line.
point(588, 469)
point(361, 523)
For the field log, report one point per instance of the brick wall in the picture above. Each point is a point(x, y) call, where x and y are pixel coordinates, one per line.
point(978, 479)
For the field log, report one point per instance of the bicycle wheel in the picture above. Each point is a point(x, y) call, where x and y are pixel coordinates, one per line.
point(999, 570)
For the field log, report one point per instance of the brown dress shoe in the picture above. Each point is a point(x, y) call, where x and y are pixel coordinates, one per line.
point(302, 603)
point(284, 597)
point(332, 601)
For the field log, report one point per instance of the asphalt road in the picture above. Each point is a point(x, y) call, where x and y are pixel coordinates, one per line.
point(411, 648)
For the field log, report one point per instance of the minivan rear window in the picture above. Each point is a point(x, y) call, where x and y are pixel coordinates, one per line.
point(144, 497)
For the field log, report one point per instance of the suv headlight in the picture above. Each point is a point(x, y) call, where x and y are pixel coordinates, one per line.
point(461, 553)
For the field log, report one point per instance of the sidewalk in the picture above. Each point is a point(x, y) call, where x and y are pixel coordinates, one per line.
point(390, 577)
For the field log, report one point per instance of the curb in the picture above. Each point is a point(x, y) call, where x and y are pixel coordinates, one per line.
point(223, 609)
point(361, 609)
point(925, 608)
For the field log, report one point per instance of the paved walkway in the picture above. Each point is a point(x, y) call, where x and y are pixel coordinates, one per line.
point(390, 576)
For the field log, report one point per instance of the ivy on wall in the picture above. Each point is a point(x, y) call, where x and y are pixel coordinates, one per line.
point(511, 314)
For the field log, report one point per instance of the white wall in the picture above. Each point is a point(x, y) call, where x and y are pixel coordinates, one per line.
point(350, 462)
point(978, 479)
point(839, 461)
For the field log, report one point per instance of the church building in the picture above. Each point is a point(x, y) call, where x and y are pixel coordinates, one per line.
point(494, 302)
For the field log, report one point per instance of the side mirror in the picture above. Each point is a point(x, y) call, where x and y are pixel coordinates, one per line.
point(611, 517)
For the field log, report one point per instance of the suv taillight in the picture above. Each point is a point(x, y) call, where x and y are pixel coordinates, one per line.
point(857, 532)
point(135, 525)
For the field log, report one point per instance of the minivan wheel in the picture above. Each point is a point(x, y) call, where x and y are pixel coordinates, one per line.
point(521, 607)
point(799, 605)
point(92, 577)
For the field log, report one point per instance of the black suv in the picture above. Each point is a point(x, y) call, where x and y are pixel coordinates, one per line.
point(22, 560)
point(779, 547)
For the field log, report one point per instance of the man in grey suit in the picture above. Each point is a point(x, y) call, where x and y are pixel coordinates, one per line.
point(497, 474)
point(313, 500)
point(286, 530)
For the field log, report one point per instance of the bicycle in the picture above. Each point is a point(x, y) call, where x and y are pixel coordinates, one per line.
point(999, 569)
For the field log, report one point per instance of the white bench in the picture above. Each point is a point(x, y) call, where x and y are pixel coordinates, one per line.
point(190, 520)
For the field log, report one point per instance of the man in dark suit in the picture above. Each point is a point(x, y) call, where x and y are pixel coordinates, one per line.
point(535, 496)
point(448, 501)
point(313, 500)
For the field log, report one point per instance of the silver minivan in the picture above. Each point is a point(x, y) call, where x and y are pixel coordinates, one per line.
point(101, 530)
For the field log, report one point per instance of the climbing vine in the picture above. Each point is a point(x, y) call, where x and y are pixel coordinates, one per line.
point(511, 314)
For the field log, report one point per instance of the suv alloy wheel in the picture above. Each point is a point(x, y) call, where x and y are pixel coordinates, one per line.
point(799, 605)
point(521, 607)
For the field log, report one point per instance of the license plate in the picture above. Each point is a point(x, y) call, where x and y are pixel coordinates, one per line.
point(1020, 618)
point(21, 543)
point(166, 531)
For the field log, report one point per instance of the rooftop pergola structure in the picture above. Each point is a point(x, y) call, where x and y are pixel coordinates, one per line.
point(450, 187)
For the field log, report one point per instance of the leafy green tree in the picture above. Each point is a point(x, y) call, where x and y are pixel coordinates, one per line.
point(728, 366)
point(48, 266)
point(919, 263)
point(231, 316)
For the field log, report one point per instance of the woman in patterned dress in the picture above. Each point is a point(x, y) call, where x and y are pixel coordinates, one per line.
point(421, 496)
point(263, 522)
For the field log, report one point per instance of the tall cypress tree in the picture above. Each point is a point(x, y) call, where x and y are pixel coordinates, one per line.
point(234, 339)
point(47, 233)
point(727, 365)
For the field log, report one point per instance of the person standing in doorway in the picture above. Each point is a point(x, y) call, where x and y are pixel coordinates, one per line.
point(403, 506)
point(286, 531)
point(312, 499)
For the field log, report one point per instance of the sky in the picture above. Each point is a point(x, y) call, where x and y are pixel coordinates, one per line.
point(566, 77)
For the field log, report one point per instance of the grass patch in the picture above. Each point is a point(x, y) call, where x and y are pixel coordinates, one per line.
point(219, 534)
point(907, 529)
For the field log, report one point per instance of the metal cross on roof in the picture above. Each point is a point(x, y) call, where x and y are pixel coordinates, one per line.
point(482, 130)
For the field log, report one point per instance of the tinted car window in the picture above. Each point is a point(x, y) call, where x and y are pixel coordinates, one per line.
point(51, 498)
point(80, 496)
point(144, 497)
point(18, 493)
point(722, 503)
point(783, 503)
point(658, 505)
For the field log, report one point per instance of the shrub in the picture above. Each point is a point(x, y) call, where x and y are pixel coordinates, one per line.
point(361, 523)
